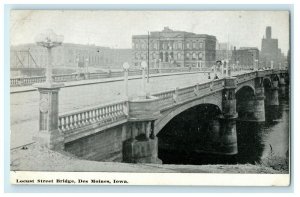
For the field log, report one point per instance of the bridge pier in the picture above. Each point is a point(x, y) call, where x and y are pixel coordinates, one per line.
point(227, 134)
point(274, 96)
point(142, 147)
point(252, 108)
point(282, 80)
point(49, 136)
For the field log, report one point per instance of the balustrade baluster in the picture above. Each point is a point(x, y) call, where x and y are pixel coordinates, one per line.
point(87, 118)
point(97, 115)
point(83, 121)
point(93, 116)
point(114, 115)
point(75, 119)
point(106, 115)
point(101, 114)
point(80, 120)
point(59, 124)
point(67, 123)
point(72, 121)
point(109, 113)
point(63, 124)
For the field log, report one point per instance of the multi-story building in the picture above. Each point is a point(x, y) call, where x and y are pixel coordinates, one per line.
point(269, 50)
point(223, 51)
point(169, 48)
point(69, 55)
point(246, 57)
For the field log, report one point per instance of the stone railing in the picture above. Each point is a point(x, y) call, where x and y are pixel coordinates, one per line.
point(23, 81)
point(246, 77)
point(102, 115)
point(168, 99)
point(26, 81)
point(63, 78)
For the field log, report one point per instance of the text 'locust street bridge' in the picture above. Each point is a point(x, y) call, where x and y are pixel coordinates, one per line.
point(126, 130)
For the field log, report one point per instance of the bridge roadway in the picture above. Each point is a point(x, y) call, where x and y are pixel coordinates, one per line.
point(24, 106)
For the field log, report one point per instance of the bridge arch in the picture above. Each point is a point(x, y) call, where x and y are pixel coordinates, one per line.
point(170, 114)
point(267, 82)
point(249, 85)
point(245, 92)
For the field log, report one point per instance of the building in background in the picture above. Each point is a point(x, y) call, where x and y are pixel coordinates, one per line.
point(170, 48)
point(245, 57)
point(270, 53)
point(69, 55)
point(223, 51)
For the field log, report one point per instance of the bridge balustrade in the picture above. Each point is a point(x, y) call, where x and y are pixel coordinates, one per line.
point(104, 114)
point(63, 78)
point(25, 81)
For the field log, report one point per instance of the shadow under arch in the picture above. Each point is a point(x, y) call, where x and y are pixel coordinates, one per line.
point(170, 114)
point(190, 133)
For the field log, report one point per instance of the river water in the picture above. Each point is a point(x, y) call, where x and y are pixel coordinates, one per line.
point(256, 141)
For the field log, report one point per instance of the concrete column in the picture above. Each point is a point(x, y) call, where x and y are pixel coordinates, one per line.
point(253, 108)
point(228, 136)
point(259, 105)
point(143, 145)
point(273, 99)
point(49, 136)
point(281, 81)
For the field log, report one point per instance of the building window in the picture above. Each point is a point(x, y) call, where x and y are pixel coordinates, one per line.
point(201, 45)
point(200, 56)
point(165, 45)
point(180, 45)
point(187, 56)
point(179, 56)
point(194, 56)
point(153, 56)
point(194, 45)
point(187, 45)
point(155, 45)
point(175, 45)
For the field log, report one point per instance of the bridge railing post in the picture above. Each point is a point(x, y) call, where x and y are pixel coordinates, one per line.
point(49, 135)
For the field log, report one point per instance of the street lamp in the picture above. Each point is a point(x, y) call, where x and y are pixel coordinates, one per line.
point(49, 40)
point(86, 65)
point(144, 66)
point(126, 68)
point(77, 65)
point(256, 65)
point(272, 64)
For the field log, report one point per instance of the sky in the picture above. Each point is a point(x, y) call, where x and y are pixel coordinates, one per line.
point(115, 28)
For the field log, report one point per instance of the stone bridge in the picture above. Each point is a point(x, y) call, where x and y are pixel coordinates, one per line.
point(127, 130)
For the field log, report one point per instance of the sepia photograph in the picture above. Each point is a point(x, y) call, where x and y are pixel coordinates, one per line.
point(150, 97)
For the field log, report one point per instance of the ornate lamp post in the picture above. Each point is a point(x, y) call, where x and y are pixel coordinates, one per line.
point(272, 64)
point(86, 65)
point(49, 135)
point(256, 64)
point(144, 66)
point(126, 68)
point(49, 40)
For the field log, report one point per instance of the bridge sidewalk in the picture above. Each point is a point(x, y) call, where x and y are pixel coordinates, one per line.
point(95, 81)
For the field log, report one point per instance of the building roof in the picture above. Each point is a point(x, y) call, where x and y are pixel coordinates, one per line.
point(248, 48)
point(169, 33)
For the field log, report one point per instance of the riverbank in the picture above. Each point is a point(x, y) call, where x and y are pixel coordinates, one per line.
point(35, 158)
